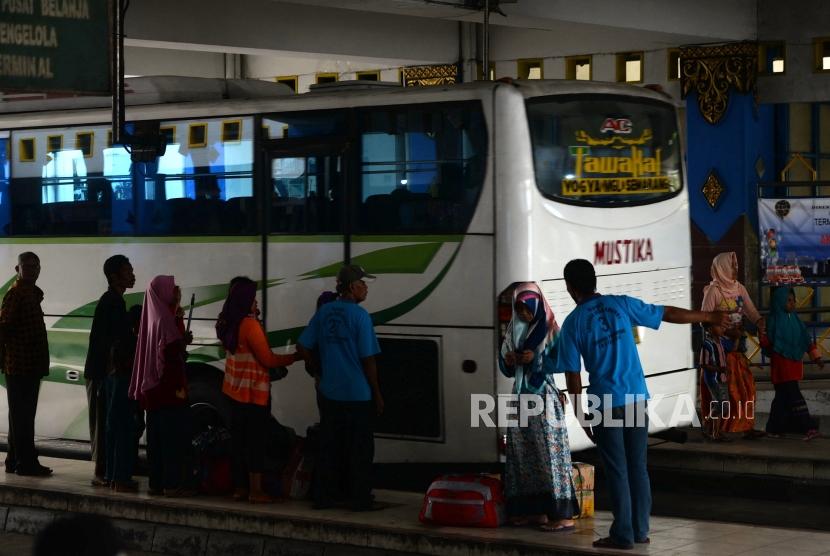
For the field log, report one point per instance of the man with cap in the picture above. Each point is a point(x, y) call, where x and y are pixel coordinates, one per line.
point(341, 338)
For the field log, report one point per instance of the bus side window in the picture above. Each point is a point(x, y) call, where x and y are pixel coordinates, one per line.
point(421, 167)
point(306, 193)
point(203, 184)
point(5, 201)
point(61, 189)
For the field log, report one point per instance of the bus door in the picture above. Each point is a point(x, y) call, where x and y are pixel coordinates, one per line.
point(304, 245)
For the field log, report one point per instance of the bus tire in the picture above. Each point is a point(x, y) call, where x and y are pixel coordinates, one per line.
point(209, 407)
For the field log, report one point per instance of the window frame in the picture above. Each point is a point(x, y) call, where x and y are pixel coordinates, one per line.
point(763, 47)
point(524, 65)
point(193, 144)
point(363, 74)
point(332, 77)
point(480, 72)
point(225, 123)
point(50, 138)
point(622, 58)
point(671, 68)
point(819, 45)
point(91, 135)
point(20, 149)
point(571, 62)
point(290, 81)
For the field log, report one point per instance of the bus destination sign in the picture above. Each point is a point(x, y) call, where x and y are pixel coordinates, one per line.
point(55, 46)
point(615, 165)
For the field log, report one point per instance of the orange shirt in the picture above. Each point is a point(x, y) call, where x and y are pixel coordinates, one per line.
point(246, 371)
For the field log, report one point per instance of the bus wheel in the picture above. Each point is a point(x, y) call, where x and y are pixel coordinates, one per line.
point(208, 406)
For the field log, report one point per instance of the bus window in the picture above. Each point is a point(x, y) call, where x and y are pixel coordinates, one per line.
point(422, 167)
point(306, 193)
point(198, 187)
point(63, 189)
point(5, 203)
point(307, 184)
point(297, 125)
point(605, 150)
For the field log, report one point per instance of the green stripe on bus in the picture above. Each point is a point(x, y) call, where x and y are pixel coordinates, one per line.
point(291, 335)
point(81, 318)
point(7, 285)
point(404, 259)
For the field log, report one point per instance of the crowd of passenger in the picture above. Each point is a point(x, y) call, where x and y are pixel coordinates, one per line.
point(136, 379)
point(136, 366)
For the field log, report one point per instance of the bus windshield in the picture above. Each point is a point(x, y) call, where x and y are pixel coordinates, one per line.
point(603, 150)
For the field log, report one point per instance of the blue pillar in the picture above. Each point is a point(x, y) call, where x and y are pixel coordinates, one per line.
point(729, 138)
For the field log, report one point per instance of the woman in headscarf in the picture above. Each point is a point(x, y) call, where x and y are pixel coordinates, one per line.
point(537, 478)
point(726, 293)
point(159, 383)
point(248, 385)
point(787, 340)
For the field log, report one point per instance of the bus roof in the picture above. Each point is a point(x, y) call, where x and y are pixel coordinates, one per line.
point(183, 97)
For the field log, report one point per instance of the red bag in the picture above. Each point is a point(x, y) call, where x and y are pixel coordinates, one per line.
point(464, 501)
point(217, 477)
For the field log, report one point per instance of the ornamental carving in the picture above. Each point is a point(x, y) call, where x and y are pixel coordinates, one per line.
point(426, 76)
point(713, 71)
point(712, 189)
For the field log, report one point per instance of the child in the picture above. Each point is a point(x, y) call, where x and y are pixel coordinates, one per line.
point(787, 340)
point(714, 376)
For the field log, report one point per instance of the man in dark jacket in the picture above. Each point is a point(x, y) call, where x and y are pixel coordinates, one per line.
point(109, 326)
point(25, 359)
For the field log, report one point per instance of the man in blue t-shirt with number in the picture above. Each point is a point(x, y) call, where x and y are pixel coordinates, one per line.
point(599, 331)
point(340, 339)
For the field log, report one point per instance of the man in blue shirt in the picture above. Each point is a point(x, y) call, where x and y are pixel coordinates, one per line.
point(341, 339)
point(599, 331)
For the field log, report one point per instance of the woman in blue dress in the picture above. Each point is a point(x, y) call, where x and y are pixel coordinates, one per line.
point(537, 478)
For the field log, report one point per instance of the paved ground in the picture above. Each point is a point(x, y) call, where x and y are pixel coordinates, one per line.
point(399, 524)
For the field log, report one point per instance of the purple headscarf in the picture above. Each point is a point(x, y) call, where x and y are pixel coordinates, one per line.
point(237, 306)
point(157, 330)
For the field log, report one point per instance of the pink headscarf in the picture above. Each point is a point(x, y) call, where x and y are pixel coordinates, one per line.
point(157, 330)
point(721, 271)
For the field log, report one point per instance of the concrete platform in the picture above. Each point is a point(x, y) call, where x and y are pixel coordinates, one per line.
point(786, 457)
point(789, 457)
point(209, 525)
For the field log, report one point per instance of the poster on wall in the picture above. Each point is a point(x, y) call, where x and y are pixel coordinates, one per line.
point(795, 239)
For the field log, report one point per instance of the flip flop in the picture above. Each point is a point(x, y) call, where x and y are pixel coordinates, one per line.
point(557, 528)
point(811, 434)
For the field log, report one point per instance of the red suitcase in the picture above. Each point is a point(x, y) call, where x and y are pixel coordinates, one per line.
point(464, 501)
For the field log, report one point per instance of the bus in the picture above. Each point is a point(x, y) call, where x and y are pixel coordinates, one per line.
point(450, 195)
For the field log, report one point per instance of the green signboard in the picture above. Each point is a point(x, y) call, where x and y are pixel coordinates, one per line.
point(55, 45)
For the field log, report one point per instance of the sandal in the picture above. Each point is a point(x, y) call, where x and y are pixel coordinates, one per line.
point(557, 527)
point(811, 434)
point(608, 542)
point(262, 498)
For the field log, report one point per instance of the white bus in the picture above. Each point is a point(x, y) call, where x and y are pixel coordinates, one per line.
point(449, 194)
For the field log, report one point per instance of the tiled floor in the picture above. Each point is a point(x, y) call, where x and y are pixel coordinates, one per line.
point(668, 535)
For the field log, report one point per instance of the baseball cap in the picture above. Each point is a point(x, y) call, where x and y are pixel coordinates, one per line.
point(352, 273)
